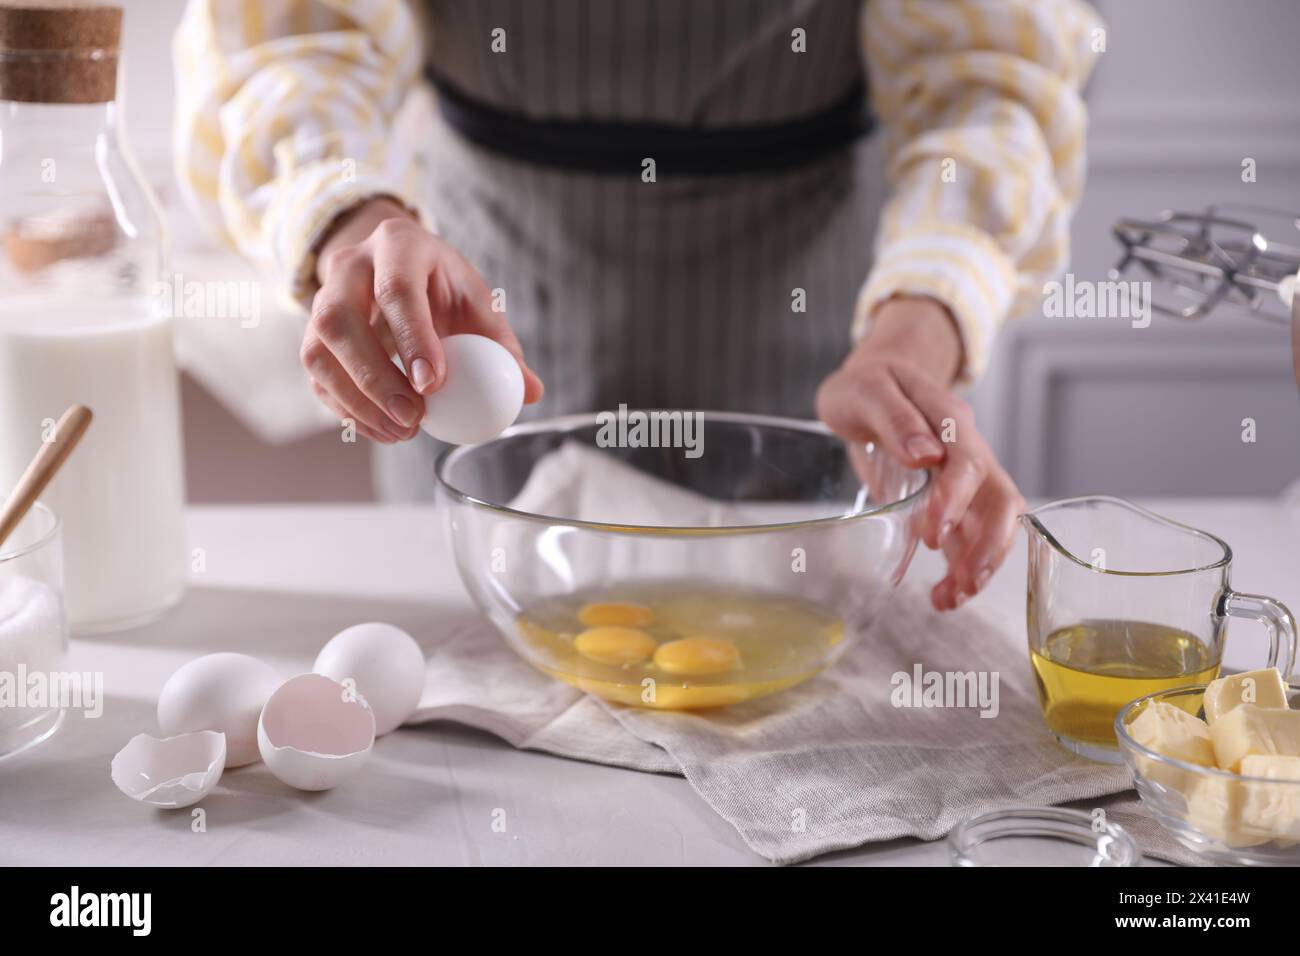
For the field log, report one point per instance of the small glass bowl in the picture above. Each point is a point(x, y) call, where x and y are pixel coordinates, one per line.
point(1041, 836)
point(33, 628)
point(1223, 817)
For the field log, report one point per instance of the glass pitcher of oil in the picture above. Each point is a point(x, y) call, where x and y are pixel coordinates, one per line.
point(1122, 603)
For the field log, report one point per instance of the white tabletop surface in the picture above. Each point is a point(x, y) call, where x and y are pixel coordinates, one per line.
point(280, 581)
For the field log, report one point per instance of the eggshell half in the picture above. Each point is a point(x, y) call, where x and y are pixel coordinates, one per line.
point(386, 665)
point(223, 692)
point(314, 733)
point(170, 772)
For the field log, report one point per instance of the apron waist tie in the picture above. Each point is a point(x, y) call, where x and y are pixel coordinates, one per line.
point(618, 147)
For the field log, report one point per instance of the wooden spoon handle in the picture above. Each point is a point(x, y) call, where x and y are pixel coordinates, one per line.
point(67, 432)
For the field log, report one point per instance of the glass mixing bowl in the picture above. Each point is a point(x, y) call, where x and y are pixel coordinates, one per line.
point(689, 560)
point(1227, 818)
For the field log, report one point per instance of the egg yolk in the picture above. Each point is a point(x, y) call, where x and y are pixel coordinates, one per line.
point(697, 655)
point(616, 614)
point(615, 645)
point(836, 630)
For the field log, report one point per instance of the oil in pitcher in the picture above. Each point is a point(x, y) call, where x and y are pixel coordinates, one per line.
point(1123, 603)
point(1087, 671)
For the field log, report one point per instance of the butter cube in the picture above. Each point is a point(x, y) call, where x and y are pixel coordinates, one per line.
point(1215, 806)
point(1263, 688)
point(1171, 732)
point(1272, 809)
point(1248, 730)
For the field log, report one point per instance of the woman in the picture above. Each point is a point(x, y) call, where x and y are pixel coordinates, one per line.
point(672, 199)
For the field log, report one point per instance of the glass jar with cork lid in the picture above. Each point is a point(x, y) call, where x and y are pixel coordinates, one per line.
point(81, 274)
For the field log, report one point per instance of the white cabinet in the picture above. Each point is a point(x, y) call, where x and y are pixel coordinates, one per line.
point(1100, 407)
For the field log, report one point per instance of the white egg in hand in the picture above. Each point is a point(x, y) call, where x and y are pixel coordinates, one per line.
point(220, 692)
point(481, 395)
point(385, 665)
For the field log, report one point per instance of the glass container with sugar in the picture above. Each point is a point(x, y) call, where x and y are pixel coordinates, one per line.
point(33, 633)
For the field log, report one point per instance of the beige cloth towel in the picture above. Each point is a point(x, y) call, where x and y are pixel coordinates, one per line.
point(827, 765)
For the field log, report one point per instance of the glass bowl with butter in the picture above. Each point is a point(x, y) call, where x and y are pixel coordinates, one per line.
point(1218, 765)
point(679, 559)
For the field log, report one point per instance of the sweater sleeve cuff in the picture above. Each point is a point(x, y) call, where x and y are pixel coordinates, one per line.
point(302, 213)
point(958, 265)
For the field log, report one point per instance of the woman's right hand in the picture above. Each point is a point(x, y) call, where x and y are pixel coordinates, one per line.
point(390, 287)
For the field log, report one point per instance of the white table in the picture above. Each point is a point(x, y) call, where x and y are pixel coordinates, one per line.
point(280, 581)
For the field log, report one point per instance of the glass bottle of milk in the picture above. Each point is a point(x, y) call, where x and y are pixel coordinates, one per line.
point(81, 267)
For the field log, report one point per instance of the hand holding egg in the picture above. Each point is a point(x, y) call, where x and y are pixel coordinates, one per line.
point(378, 263)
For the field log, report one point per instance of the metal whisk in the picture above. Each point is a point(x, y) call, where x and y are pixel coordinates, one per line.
point(1231, 255)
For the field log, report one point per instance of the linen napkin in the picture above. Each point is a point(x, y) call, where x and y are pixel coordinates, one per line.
point(856, 755)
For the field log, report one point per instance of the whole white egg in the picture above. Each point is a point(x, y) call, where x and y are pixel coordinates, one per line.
point(481, 395)
point(222, 692)
point(385, 665)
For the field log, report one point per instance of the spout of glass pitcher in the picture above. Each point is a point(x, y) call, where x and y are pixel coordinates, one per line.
point(1139, 540)
point(1035, 528)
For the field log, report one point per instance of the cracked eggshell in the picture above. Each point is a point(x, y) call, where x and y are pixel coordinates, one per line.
point(314, 733)
point(170, 772)
point(223, 692)
point(386, 665)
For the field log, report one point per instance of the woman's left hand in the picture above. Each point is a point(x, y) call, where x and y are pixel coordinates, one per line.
point(895, 389)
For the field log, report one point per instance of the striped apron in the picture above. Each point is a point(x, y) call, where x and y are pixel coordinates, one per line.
point(717, 290)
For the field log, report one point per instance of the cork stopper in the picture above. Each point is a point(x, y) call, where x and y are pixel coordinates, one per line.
point(58, 51)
